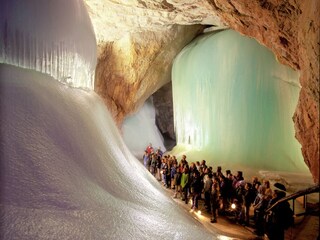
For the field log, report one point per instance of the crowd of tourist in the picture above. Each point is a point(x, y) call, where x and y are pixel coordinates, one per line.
point(223, 193)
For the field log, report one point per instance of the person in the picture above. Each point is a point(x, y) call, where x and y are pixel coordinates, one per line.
point(255, 183)
point(225, 189)
point(207, 181)
point(164, 169)
point(159, 151)
point(145, 158)
point(158, 165)
point(185, 184)
point(184, 160)
point(248, 199)
point(173, 172)
point(203, 164)
point(219, 172)
point(177, 181)
point(196, 187)
point(153, 164)
point(198, 165)
point(149, 149)
point(215, 195)
point(259, 206)
point(281, 215)
point(237, 179)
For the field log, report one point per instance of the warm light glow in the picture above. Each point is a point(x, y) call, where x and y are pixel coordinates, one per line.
point(224, 238)
point(233, 206)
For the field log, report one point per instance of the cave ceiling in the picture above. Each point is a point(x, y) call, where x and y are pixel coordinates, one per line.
point(113, 19)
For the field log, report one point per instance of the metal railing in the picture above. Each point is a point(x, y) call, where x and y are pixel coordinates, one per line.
point(294, 196)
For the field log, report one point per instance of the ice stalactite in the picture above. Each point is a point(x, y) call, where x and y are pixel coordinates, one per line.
point(53, 37)
point(233, 104)
point(140, 129)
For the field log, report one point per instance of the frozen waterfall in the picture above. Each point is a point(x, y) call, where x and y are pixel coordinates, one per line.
point(233, 104)
point(53, 37)
point(140, 129)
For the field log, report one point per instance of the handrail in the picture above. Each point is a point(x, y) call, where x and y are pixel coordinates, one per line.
point(296, 195)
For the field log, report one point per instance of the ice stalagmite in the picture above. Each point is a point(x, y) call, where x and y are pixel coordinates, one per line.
point(140, 129)
point(65, 170)
point(233, 104)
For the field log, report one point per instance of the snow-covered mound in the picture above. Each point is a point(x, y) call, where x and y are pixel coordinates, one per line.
point(67, 174)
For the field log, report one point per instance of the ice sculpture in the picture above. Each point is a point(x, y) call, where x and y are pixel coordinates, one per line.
point(140, 129)
point(233, 104)
point(54, 37)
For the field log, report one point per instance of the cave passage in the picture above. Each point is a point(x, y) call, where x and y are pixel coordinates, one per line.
point(140, 129)
point(233, 104)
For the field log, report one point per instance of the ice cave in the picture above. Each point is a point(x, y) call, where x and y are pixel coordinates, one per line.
point(80, 83)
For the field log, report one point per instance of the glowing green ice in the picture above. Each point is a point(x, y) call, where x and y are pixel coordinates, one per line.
point(233, 104)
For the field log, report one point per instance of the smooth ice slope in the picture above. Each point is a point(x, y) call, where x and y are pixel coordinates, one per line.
point(53, 36)
point(67, 174)
point(233, 104)
point(140, 129)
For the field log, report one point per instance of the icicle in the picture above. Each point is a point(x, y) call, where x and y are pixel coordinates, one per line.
point(54, 37)
point(233, 103)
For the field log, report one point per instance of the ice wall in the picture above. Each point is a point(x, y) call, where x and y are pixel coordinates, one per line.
point(53, 36)
point(233, 104)
point(67, 174)
point(140, 129)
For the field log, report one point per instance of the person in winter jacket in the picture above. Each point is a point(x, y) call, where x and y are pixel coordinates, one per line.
point(196, 189)
point(185, 184)
point(215, 201)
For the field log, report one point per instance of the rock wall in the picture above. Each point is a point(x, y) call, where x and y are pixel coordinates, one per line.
point(163, 103)
point(133, 68)
point(291, 30)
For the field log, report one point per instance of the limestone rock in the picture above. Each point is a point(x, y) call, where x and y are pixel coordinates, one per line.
point(134, 67)
point(113, 19)
point(163, 102)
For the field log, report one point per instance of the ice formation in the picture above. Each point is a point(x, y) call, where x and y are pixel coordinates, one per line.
point(53, 37)
point(140, 129)
point(67, 174)
point(233, 104)
point(65, 170)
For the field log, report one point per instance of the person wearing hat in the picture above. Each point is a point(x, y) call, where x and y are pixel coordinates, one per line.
point(280, 217)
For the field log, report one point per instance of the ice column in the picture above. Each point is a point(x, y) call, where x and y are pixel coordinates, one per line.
point(54, 37)
point(140, 129)
point(233, 103)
